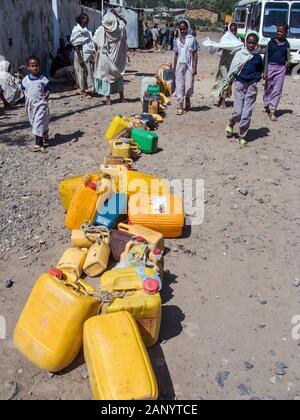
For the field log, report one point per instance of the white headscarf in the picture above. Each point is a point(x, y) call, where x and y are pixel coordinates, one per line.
point(242, 57)
point(12, 91)
point(229, 42)
point(111, 39)
point(82, 37)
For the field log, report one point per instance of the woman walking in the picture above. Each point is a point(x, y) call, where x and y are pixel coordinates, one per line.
point(277, 58)
point(245, 72)
point(229, 45)
point(82, 41)
point(185, 66)
point(110, 40)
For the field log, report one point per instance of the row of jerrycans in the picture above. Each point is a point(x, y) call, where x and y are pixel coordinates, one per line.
point(49, 330)
point(61, 315)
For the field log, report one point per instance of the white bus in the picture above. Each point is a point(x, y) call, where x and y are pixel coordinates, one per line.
point(264, 15)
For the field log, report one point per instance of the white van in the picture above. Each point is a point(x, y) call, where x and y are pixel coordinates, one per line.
point(263, 16)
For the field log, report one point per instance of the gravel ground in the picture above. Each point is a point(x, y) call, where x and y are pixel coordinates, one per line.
point(231, 287)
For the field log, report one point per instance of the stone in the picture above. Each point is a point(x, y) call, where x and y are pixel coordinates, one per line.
point(243, 191)
point(243, 390)
point(296, 283)
point(221, 377)
point(248, 365)
point(9, 283)
point(281, 368)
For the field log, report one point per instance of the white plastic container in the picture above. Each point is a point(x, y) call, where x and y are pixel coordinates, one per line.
point(147, 81)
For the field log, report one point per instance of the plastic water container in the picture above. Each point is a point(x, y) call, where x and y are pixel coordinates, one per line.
point(117, 360)
point(141, 299)
point(97, 258)
point(113, 211)
point(68, 186)
point(151, 236)
point(72, 261)
point(163, 213)
point(147, 140)
point(117, 126)
point(147, 81)
point(50, 328)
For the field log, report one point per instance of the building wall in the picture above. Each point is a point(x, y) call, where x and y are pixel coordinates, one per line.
point(27, 28)
point(203, 14)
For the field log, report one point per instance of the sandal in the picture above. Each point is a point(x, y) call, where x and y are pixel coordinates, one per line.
point(36, 148)
point(179, 112)
point(229, 131)
point(243, 142)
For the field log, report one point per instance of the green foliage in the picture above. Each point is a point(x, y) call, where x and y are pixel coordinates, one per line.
point(218, 6)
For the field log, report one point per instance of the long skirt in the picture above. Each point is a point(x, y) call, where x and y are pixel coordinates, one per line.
point(219, 90)
point(103, 87)
point(84, 75)
point(184, 82)
point(245, 95)
point(274, 85)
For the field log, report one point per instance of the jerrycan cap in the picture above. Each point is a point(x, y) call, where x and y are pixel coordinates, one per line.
point(151, 286)
point(157, 251)
point(92, 186)
point(55, 272)
point(139, 239)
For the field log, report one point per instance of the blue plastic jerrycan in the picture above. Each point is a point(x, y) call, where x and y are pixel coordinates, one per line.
point(113, 211)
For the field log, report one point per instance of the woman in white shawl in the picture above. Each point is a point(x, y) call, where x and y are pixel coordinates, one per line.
point(228, 46)
point(111, 44)
point(82, 41)
point(11, 88)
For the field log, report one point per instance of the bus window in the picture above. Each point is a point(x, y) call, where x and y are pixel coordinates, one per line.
point(275, 14)
point(295, 21)
point(241, 17)
point(255, 17)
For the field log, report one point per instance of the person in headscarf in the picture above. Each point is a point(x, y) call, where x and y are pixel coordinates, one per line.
point(245, 72)
point(228, 46)
point(277, 59)
point(111, 44)
point(82, 41)
point(10, 86)
point(185, 66)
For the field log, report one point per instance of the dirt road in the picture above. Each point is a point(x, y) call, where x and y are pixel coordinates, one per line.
point(230, 290)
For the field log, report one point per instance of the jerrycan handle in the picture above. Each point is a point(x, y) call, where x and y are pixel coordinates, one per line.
point(123, 227)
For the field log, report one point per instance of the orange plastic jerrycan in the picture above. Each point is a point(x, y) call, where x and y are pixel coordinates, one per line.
point(141, 299)
point(49, 330)
point(117, 361)
point(163, 213)
point(68, 186)
point(84, 202)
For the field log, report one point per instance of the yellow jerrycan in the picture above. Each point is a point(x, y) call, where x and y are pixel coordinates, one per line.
point(72, 261)
point(151, 236)
point(163, 213)
point(98, 255)
point(117, 361)
point(120, 149)
point(84, 201)
point(141, 299)
point(118, 126)
point(80, 240)
point(50, 328)
point(68, 186)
